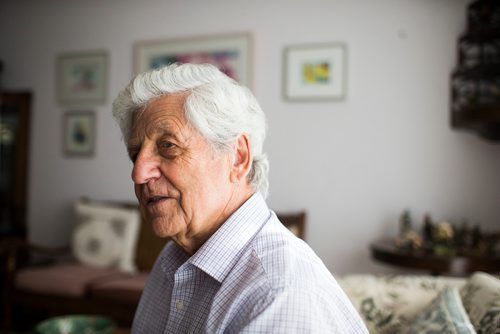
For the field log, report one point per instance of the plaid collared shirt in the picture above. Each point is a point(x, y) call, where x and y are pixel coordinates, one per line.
point(251, 276)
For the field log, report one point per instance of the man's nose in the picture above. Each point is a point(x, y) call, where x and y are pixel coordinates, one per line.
point(146, 168)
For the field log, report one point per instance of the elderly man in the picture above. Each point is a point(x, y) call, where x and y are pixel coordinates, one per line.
point(195, 138)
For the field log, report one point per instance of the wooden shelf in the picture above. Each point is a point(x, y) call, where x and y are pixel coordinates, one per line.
point(385, 251)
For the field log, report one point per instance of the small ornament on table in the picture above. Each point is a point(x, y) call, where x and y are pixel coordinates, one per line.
point(476, 236)
point(444, 232)
point(461, 235)
point(427, 230)
point(480, 243)
point(408, 238)
point(443, 239)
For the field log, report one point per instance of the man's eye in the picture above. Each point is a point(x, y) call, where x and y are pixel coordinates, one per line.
point(165, 145)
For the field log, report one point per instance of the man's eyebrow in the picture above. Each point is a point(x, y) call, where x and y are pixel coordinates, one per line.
point(163, 131)
point(162, 128)
point(159, 129)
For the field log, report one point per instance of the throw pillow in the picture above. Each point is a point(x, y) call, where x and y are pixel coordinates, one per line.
point(106, 235)
point(481, 298)
point(445, 314)
point(388, 303)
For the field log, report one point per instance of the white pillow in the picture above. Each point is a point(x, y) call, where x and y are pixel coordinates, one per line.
point(106, 235)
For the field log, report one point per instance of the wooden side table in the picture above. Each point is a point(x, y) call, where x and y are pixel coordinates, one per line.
point(385, 251)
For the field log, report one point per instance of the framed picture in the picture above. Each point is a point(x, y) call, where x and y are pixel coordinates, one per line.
point(230, 53)
point(79, 133)
point(82, 77)
point(315, 72)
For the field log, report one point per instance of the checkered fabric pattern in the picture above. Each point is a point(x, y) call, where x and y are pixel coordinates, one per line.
point(251, 276)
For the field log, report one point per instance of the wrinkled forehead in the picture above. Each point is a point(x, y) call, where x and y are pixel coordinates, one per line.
point(162, 114)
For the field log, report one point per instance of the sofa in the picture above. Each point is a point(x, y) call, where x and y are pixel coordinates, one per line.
point(426, 304)
point(91, 277)
point(102, 272)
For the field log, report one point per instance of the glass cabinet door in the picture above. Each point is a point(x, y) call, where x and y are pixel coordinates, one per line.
point(14, 142)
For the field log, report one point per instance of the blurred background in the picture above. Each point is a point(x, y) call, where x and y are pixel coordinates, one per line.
point(353, 165)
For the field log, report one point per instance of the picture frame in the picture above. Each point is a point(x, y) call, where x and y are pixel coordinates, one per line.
point(82, 77)
point(315, 72)
point(79, 133)
point(231, 53)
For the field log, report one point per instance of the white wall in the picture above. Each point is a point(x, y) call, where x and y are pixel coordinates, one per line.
point(353, 165)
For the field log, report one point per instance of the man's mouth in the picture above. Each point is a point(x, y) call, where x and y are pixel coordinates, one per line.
point(155, 199)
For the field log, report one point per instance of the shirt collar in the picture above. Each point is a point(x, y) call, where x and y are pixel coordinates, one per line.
point(171, 258)
point(222, 250)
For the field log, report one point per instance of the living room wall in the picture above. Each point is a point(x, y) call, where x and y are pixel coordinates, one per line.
point(354, 165)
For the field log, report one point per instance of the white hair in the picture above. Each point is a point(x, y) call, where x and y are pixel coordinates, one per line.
point(216, 106)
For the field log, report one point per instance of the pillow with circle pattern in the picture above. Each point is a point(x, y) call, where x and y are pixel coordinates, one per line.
point(106, 235)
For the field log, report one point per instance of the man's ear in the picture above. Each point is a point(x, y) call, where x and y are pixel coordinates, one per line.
point(242, 159)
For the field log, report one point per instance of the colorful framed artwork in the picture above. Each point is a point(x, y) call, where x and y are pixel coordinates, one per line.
point(315, 72)
point(79, 133)
point(82, 77)
point(230, 53)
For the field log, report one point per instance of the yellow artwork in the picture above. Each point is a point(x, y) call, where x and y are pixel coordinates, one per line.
point(316, 73)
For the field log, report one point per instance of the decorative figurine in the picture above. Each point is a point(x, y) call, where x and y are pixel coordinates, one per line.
point(405, 222)
point(443, 239)
point(427, 230)
point(476, 236)
point(408, 238)
point(444, 232)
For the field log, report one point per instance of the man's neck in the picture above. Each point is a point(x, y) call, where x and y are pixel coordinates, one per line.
point(191, 243)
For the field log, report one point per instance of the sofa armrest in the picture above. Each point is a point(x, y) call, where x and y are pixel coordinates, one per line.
point(21, 253)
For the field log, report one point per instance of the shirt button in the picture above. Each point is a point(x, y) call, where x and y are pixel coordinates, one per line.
point(179, 305)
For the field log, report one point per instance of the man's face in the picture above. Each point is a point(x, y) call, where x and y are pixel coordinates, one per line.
point(181, 183)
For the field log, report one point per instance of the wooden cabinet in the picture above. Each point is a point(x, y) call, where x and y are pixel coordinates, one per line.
point(475, 83)
point(14, 148)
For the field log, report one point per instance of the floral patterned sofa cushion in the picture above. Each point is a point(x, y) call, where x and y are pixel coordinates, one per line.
point(481, 299)
point(387, 304)
point(446, 314)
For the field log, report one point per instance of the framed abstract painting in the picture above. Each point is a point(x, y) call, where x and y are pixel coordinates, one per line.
point(230, 53)
point(82, 77)
point(315, 72)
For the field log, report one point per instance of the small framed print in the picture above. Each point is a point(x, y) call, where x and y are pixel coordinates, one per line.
point(79, 133)
point(82, 77)
point(315, 72)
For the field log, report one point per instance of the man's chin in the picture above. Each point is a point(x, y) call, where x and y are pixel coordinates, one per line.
point(162, 227)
